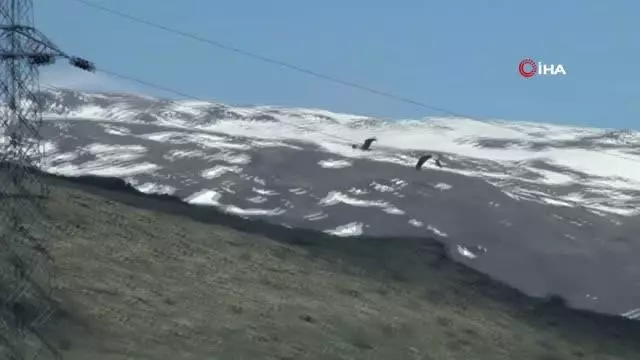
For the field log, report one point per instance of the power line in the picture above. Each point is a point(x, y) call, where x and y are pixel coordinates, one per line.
point(149, 84)
point(273, 61)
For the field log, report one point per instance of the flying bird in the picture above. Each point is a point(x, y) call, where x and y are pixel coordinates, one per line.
point(423, 159)
point(366, 145)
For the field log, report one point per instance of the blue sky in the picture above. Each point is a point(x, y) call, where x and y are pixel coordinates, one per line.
point(453, 54)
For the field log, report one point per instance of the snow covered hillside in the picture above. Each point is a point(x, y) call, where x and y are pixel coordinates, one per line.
point(544, 207)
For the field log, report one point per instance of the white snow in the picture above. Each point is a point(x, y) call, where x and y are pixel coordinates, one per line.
point(212, 198)
point(165, 136)
point(436, 231)
point(551, 177)
point(350, 229)
point(316, 216)
point(110, 161)
point(443, 186)
point(204, 197)
point(334, 164)
point(258, 180)
point(263, 212)
point(204, 140)
point(265, 192)
point(466, 252)
point(102, 169)
point(605, 164)
point(190, 107)
point(382, 188)
point(394, 211)
point(257, 199)
point(220, 170)
point(181, 154)
point(336, 197)
point(453, 138)
point(557, 202)
point(355, 191)
point(105, 150)
point(61, 157)
point(230, 157)
point(153, 188)
point(632, 314)
point(116, 130)
point(266, 143)
point(600, 209)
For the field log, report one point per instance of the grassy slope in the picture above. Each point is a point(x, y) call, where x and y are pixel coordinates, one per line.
point(141, 284)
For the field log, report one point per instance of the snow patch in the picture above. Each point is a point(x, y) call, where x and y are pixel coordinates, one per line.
point(204, 197)
point(466, 252)
point(382, 188)
point(552, 177)
point(350, 229)
point(394, 211)
point(152, 188)
point(434, 230)
point(230, 157)
point(316, 216)
point(355, 191)
point(443, 186)
point(107, 170)
point(334, 164)
point(265, 192)
point(173, 155)
point(212, 197)
point(336, 197)
point(220, 170)
point(298, 191)
point(632, 314)
point(115, 130)
point(257, 199)
point(557, 202)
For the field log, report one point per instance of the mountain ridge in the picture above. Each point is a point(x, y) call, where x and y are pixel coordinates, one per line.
point(542, 207)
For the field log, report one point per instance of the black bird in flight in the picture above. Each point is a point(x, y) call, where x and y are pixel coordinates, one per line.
point(423, 159)
point(366, 145)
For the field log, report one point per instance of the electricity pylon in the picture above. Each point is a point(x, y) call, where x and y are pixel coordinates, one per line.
point(24, 273)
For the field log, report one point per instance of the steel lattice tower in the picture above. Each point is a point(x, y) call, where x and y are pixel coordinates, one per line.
point(24, 275)
point(19, 117)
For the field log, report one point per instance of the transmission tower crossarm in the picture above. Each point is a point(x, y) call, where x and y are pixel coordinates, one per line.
point(45, 51)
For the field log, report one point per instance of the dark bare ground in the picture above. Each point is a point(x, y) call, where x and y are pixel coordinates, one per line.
point(142, 277)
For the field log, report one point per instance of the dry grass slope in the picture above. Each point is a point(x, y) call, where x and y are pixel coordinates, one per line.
point(165, 280)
